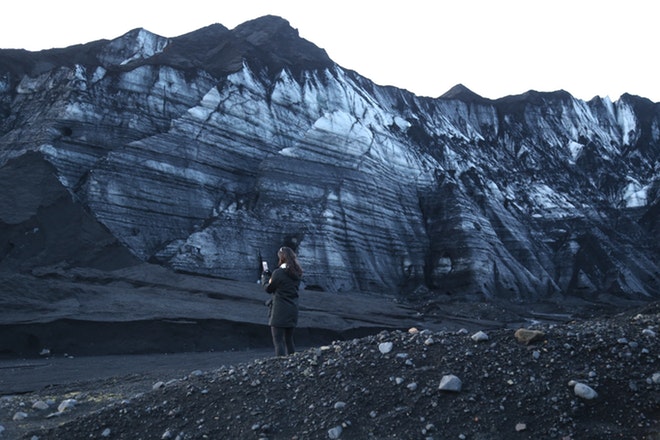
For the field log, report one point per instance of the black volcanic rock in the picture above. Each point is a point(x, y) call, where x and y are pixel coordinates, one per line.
point(203, 151)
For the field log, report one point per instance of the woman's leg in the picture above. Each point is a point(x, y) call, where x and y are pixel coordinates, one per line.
point(278, 334)
point(288, 337)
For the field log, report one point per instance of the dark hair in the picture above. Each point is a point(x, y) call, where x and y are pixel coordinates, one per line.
point(286, 255)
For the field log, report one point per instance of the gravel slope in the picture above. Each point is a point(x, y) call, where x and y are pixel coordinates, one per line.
point(366, 388)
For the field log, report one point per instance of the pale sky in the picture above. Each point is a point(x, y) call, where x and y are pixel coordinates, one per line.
point(495, 48)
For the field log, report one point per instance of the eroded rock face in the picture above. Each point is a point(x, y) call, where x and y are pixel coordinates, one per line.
point(204, 151)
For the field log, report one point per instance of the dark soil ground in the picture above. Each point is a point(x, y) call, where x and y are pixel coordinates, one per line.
point(356, 389)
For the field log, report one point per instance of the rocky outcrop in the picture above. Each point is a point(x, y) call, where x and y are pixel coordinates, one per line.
point(205, 151)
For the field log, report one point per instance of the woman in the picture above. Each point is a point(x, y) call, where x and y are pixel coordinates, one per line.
point(283, 286)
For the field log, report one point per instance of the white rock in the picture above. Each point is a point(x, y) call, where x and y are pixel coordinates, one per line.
point(648, 332)
point(479, 336)
point(450, 383)
point(158, 385)
point(412, 386)
point(106, 432)
point(584, 391)
point(66, 404)
point(335, 432)
point(385, 347)
point(656, 378)
point(340, 405)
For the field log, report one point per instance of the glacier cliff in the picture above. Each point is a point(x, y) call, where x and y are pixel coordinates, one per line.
point(205, 151)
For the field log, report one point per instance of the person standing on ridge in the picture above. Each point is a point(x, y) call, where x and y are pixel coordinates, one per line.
point(283, 285)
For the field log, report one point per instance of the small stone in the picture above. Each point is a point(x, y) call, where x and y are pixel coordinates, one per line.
point(412, 386)
point(158, 385)
point(106, 432)
point(385, 347)
point(648, 332)
point(479, 336)
point(19, 416)
point(536, 354)
point(584, 391)
point(520, 427)
point(167, 434)
point(429, 341)
point(450, 383)
point(413, 331)
point(526, 336)
point(40, 404)
point(2, 428)
point(335, 432)
point(656, 378)
point(340, 405)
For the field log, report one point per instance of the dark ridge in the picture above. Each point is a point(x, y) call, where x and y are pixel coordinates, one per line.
point(514, 104)
point(536, 98)
point(19, 62)
point(272, 43)
point(212, 48)
point(102, 338)
point(268, 43)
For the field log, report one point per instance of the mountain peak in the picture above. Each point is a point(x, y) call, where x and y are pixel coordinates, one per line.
point(462, 93)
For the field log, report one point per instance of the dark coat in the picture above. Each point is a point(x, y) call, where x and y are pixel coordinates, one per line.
point(284, 305)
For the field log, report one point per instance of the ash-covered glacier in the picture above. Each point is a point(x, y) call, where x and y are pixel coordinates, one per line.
point(205, 151)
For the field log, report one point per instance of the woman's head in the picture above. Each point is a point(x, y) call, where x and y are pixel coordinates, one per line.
point(286, 256)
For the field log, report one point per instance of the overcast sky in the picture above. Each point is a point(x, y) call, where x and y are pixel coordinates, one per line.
point(494, 47)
